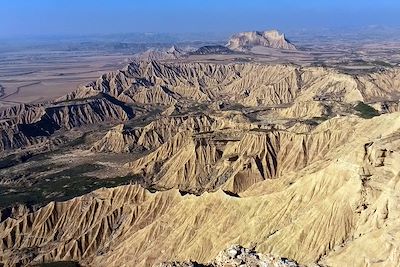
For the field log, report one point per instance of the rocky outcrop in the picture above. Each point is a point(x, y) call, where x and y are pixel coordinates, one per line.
point(304, 110)
point(386, 106)
point(244, 41)
point(380, 86)
point(237, 256)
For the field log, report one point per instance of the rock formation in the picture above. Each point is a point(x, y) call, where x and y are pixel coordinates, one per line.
point(236, 256)
point(244, 41)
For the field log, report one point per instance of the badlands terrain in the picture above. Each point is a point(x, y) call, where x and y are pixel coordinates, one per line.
point(214, 156)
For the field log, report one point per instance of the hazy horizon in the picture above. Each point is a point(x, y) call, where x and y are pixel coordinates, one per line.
point(20, 18)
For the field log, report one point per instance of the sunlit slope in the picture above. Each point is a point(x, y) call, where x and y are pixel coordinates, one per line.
point(334, 210)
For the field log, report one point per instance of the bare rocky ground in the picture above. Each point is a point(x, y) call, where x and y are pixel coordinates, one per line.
point(236, 256)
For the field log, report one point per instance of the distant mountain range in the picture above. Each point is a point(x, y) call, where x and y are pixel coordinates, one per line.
point(239, 42)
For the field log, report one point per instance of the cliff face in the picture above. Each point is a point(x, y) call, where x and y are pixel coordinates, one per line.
point(244, 41)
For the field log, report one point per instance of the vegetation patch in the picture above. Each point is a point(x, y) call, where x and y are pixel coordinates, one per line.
point(60, 186)
point(58, 264)
point(13, 159)
point(315, 121)
point(366, 111)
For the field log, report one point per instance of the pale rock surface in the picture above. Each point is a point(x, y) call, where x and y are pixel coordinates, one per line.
point(244, 41)
point(237, 256)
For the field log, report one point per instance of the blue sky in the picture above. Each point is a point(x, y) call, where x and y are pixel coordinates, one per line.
point(44, 17)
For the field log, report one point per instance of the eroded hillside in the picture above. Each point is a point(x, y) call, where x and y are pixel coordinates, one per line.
point(166, 162)
point(293, 92)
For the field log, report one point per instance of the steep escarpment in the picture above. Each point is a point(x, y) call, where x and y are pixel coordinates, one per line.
point(76, 114)
point(16, 136)
point(118, 140)
point(183, 162)
point(23, 114)
point(337, 205)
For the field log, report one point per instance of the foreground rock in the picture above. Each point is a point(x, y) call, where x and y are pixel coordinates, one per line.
point(238, 256)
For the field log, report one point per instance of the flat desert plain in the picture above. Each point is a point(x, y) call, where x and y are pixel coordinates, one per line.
point(31, 77)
